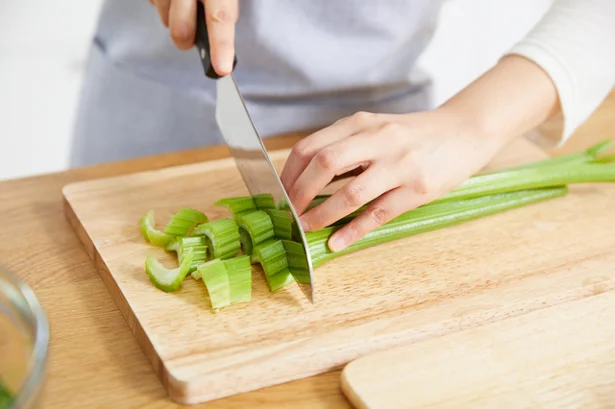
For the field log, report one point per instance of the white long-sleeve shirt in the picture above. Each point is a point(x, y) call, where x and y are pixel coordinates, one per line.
point(574, 43)
point(304, 64)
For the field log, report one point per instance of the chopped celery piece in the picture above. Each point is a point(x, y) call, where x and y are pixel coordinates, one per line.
point(246, 241)
point(264, 201)
point(227, 281)
point(415, 221)
point(280, 280)
point(259, 227)
point(272, 257)
point(6, 398)
point(282, 223)
point(174, 245)
point(198, 245)
point(237, 205)
point(183, 221)
point(164, 278)
point(240, 278)
point(215, 277)
point(297, 262)
point(150, 233)
point(222, 237)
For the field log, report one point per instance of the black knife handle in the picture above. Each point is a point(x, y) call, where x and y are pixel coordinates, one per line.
point(201, 41)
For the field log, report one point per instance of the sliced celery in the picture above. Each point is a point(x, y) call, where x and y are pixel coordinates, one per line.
point(415, 221)
point(222, 237)
point(246, 241)
point(239, 272)
point(272, 257)
point(297, 263)
point(215, 277)
point(174, 245)
point(259, 227)
point(264, 201)
point(197, 244)
point(150, 233)
point(237, 205)
point(6, 398)
point(164, 278)
point(282, 223)
point(183, 221)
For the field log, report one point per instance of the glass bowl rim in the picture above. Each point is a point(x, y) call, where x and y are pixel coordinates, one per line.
point(38, 356)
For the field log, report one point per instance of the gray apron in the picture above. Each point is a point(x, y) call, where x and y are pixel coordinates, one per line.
point(301, 65)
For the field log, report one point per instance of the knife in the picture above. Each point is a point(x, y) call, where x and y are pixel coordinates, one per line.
point(245, 144)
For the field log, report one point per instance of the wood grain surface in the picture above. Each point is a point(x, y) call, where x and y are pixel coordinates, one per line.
point(401, 292)
point(94, 359)
point(545, 359)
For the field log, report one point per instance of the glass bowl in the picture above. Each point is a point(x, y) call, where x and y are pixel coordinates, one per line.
point(24, 339)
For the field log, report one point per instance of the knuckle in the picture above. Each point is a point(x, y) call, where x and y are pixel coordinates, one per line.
point(421, 183)
point(377, 215)
point(327, 159)
point(391, 128)
point(222, 15)
point(300, 150)
point(362, 117)
point(179, 33)
point(353, 194)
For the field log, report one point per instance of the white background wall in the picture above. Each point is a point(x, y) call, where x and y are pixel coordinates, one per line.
point(43, 45)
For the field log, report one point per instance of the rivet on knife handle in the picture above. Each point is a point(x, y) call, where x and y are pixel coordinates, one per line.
point(201, 41)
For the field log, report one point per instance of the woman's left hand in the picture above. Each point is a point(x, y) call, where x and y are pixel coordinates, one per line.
point(407, 160)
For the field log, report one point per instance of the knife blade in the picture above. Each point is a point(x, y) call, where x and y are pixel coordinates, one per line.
point(245, 144)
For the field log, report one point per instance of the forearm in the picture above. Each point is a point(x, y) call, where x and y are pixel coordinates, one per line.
point(573, 53)
point(510, 99)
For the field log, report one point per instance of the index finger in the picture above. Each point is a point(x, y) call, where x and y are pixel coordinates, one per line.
point(221, 16)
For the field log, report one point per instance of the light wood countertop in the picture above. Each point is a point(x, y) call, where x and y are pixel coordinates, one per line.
point(94, 359)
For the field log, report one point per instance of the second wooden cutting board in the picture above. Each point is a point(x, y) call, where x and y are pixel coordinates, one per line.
point(557, 357)
point(408, 290)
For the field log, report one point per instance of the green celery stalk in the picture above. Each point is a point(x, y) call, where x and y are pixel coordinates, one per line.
point(264, 201)
point(297, 263)
point(272, 257)
point(239, 272)
point(166, 279)
point(532, 178)
point(237, 205)
point(215, 277)
point(415, 222)
point(183, 221)
point(282, 223)
point(150, 233)
point(222, 237)
point(198, 244)
point(258, 226)
point(605, 159)
point(557, 164)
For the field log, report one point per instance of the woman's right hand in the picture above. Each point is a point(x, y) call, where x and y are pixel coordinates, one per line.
point(221, 15)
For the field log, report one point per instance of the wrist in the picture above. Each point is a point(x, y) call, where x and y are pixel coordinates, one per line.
point(506, 102)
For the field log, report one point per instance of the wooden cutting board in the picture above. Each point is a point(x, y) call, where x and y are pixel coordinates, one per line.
point(557, 357)
point(405, 291)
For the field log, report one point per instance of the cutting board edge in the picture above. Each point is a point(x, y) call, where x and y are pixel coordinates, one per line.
point(203, 165)
point(112, 287)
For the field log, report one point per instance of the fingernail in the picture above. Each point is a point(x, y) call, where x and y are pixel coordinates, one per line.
point(304, 224)
point(225, 61)
point(337, 243)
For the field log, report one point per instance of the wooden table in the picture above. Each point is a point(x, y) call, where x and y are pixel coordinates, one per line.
point(94, 360)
